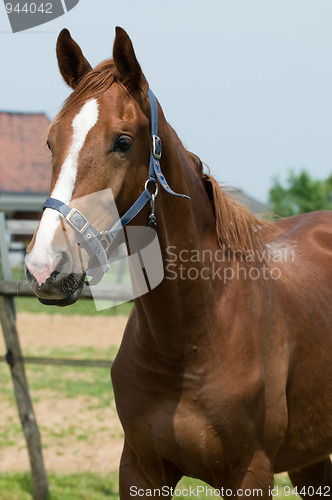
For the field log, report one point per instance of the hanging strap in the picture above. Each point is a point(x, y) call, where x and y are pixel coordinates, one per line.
point(155, 155)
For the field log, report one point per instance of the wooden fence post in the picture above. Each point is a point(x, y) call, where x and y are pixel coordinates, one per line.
point(21, 388)
point(23, 400)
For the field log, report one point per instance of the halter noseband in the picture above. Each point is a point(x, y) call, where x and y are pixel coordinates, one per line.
point(98, 243)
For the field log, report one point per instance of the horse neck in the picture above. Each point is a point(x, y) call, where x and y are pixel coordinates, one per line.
point(182, 226)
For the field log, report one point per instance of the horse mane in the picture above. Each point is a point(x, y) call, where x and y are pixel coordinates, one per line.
point(91, 86)
point(237, 228)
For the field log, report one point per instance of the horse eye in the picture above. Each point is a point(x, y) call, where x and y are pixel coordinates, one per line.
point(123, 144)
point(48, 145)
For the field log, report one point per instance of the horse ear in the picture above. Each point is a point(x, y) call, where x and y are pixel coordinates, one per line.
point(72, 63)
point(126, 62)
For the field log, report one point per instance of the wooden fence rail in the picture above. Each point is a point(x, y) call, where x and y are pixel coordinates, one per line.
point(117, 292)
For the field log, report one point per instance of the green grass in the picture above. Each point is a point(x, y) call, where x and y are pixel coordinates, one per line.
point(92, 385)
point(67, 381)
point(83, 307)
point(85, 486)
point(90, 486)
point(72, 382)
point(8, 435)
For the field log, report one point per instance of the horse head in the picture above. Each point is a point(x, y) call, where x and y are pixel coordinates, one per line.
point(100, 144)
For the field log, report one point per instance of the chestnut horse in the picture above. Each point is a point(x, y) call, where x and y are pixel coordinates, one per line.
point(225, 369)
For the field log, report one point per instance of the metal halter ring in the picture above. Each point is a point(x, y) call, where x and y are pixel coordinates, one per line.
point(155, 184)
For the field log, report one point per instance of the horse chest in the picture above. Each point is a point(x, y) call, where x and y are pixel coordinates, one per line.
point(184, 417)
point(180, 432)
point(196, 440)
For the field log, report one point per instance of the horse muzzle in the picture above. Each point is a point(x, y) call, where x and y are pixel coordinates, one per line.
point(59, 289)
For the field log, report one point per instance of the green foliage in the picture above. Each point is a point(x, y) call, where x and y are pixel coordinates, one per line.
point(301, 194)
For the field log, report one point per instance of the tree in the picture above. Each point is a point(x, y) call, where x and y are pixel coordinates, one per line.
point(301, 194)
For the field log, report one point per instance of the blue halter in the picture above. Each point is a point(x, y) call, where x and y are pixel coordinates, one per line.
point(98, 243)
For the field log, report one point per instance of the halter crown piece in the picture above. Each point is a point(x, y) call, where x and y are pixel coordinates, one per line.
point(97, 243)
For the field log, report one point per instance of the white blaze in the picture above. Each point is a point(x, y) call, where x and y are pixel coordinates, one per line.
point(82, 124)
point(43, 258)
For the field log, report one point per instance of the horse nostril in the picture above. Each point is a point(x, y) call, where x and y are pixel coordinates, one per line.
point(54, 276)
point(57, 275)
point(63, 268)
point(30, 277)
point(61, 260)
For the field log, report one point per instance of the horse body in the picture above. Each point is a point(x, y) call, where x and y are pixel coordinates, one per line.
point(247, 385)
point(226, 376)
point(309, 393)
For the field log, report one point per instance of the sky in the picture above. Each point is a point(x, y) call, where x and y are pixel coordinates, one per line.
point(247, 84)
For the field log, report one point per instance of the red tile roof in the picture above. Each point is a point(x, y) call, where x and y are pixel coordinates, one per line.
point(25, 163)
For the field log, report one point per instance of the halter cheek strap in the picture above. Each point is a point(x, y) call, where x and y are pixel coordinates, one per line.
point(98, 243)
point(155, 155)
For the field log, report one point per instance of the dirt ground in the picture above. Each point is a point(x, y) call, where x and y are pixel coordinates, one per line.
point(64, 330)
point(77, 435)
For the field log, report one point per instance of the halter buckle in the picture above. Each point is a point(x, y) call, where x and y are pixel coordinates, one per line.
point(77, 220)
point(156, 147)
point(105, 240)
